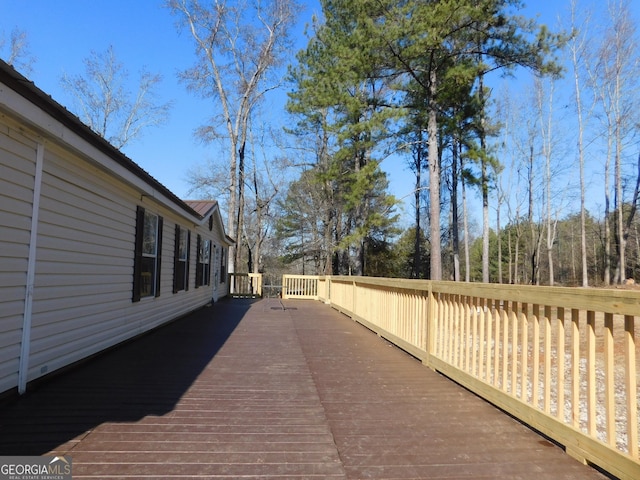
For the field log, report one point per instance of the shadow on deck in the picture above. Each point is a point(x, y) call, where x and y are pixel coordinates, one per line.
point(272, 389)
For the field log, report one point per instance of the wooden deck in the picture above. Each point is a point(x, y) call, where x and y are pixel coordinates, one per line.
point(272, 389)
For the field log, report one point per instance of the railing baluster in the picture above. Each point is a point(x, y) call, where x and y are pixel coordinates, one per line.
point(474, 343)
point(493, 351)
point(592, 426)
point(535, 359)
point(515, 314)
point(452, 329)
point(442, 305)
point(560, 386)
point(456, 330)
point(468, 345)
point(609, 379)
point(575, 367)
point(462, 333)
point(547, 359)
point(492, 343)
point(482, 339)
point(524, 353)
point(506, 307)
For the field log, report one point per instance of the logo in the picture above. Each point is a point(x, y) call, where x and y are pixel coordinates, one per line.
point(35, 468)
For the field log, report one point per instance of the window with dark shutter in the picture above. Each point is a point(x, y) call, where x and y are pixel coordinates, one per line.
point(198, 261)
point(203, 265)
point(207, 263)
point(223, 266)
point(148, 255)
point(181, 260)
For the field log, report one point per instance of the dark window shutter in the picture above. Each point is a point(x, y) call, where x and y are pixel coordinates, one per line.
point(186, 267)
point(159, 256)
point(198, 262)
point(208, 279)
point(223, 265)
point(176, 261)
point(137, 258)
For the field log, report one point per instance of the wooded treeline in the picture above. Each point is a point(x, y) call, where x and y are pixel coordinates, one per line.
point(556, 169)
point(427, 85)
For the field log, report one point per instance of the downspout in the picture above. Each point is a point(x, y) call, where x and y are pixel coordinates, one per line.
point(23, 368)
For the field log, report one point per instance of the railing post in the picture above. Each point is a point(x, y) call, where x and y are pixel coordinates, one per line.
point(327, 289)
point(431, 322)
point(353, 297)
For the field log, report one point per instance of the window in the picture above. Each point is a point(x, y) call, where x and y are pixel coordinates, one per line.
point(181, 260)
point(203, 267)
point(216, 265)
point(223, 266)
point(148, 250)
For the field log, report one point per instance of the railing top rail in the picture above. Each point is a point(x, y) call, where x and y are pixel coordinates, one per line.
point(610, 300)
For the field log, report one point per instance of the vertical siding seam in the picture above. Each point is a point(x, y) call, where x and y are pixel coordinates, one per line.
point(23, 368)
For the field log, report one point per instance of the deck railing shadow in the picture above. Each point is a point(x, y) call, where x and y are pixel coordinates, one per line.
point(146, 376)
point(562, 360)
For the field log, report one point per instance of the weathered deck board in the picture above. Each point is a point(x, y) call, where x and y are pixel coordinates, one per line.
point(251, 390)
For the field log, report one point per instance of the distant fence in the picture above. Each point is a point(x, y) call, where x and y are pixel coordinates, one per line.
point(562, 360)
point(245, 285)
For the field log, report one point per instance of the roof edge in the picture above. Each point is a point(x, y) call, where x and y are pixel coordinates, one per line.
point(28, 90)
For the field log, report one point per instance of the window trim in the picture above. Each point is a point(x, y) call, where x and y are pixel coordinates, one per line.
point(139, 255)
point(177, 261)
point(203, 263)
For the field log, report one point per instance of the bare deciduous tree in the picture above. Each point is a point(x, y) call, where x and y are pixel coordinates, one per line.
point(577, 52)
point(614, 79)
point(16, 53)
point(238, 45)
point(104, 103)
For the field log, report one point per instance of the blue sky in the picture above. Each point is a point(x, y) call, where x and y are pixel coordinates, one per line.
point(143, 34)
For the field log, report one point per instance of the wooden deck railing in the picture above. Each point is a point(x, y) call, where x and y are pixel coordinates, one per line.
point(562, 360)
point(245, 285)
point(300, 286)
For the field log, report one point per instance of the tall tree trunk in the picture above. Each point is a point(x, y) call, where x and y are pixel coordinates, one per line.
point(607, 222)
point(416, 268)
point(465, 226)
point(484, 184)
point(232, 212)
point(532, 253)
point(622, 263)
point(454, 211)
point(576, 51)
point(360, 212)
point(434, 182)
point(516, 255)
point(547, 152)
point(240, 210)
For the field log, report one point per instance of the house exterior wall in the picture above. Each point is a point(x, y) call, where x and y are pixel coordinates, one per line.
point(84, 257)
point(17, 171)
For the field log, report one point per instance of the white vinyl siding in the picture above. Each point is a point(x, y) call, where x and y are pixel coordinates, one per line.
point(84, 276)
point(17, 174)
